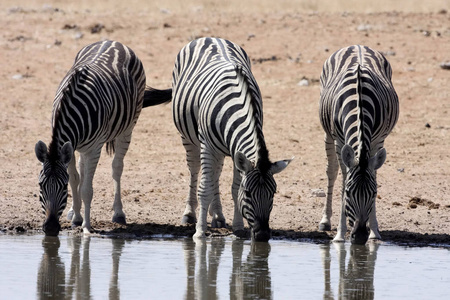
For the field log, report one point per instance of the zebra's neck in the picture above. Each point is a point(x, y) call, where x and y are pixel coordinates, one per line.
point(62, 132)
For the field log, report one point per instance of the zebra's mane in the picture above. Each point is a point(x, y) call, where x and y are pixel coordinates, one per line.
point(363, 148)
point(263, 162)
point(59, 103)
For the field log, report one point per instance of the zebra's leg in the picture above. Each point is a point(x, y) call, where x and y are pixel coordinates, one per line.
point(332, 172)
point(88, 161)
point(74, 214)
point(342, 227)
point(193, 163)
point(373, 225)
point(209, 168)
point(122, 143)
point(238, 221)
point(215, 208)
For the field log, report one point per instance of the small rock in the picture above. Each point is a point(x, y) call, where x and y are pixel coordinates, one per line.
point(303, 82)
point(318, 193)
point(17, 76)
point(401, 170)
point(427, 125)
point(97, 28)
point(364, 27)
point(78, 35)
point(20, 229)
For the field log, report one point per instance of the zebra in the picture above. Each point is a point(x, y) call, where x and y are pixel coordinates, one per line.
point(97, 102)
point(217, 109)
point(358, 109)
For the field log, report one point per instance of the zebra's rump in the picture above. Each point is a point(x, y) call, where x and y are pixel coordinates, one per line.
point(100, 97)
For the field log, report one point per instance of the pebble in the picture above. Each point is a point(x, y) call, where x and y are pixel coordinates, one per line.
point(303, 82)
point(318, 193)
point(364, 27)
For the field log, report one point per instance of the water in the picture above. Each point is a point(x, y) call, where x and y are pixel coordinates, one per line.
point(36, 267)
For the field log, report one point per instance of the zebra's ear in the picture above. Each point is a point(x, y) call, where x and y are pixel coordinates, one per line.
point(41, 151)
point(348, 156)
point(378, 159)
point(66, 153)
point(280, 165)
point(242, 163)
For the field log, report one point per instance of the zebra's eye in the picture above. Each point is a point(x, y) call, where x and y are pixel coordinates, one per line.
point(248, 194)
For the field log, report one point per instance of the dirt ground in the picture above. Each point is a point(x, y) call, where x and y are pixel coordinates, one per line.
point(287, 43)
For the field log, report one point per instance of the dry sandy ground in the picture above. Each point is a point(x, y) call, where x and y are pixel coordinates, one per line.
point(287, 43)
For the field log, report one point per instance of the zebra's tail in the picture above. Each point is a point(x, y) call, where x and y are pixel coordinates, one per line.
point(154, 97)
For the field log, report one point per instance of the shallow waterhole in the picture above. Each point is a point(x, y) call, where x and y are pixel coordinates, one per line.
point(34, 266)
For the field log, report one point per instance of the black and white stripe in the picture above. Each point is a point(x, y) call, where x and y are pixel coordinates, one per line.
point(97, 102)
point(217, 109)
point(358, 109)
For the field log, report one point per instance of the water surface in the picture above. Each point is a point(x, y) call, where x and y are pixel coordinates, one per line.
point(38, 267)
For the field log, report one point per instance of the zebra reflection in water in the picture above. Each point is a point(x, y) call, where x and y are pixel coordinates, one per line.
point(51, 277)
point(355, 280)
point(203, 284)
point(51, 272)
point(250, 279)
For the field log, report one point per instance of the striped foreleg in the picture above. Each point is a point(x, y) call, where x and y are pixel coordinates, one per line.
point(373, 224)
point(215, 208)
point(88, 165)
point(207, 188)
point(238, 220)
point(74, 214)
point(332, 172)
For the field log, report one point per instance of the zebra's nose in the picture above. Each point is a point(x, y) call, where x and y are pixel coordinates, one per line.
point(51, 226)
point(359, 234)
point(261, 231)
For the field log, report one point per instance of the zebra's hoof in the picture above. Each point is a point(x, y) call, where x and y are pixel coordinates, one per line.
point(324, 227)
point(218, 223)
point(188, 220)
point(77, 223)
point(241, 233)
point(119, 220)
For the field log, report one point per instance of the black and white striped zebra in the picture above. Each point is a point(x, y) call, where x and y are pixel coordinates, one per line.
point(358, 109)
point(97, 102)
point(217, 109)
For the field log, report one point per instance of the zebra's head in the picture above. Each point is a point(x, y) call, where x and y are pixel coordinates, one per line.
point(255, 196)
point(360, 190)
point(53, 180)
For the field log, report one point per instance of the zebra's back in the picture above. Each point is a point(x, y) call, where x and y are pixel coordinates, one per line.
point(358, 101)
point(100, 97)
point(212, 81)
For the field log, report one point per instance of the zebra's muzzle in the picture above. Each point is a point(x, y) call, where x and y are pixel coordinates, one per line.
point(261, 233)
point(51, 226)
point(359, 234)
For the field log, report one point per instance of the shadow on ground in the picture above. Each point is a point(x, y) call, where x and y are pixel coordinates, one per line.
point(152, 230)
